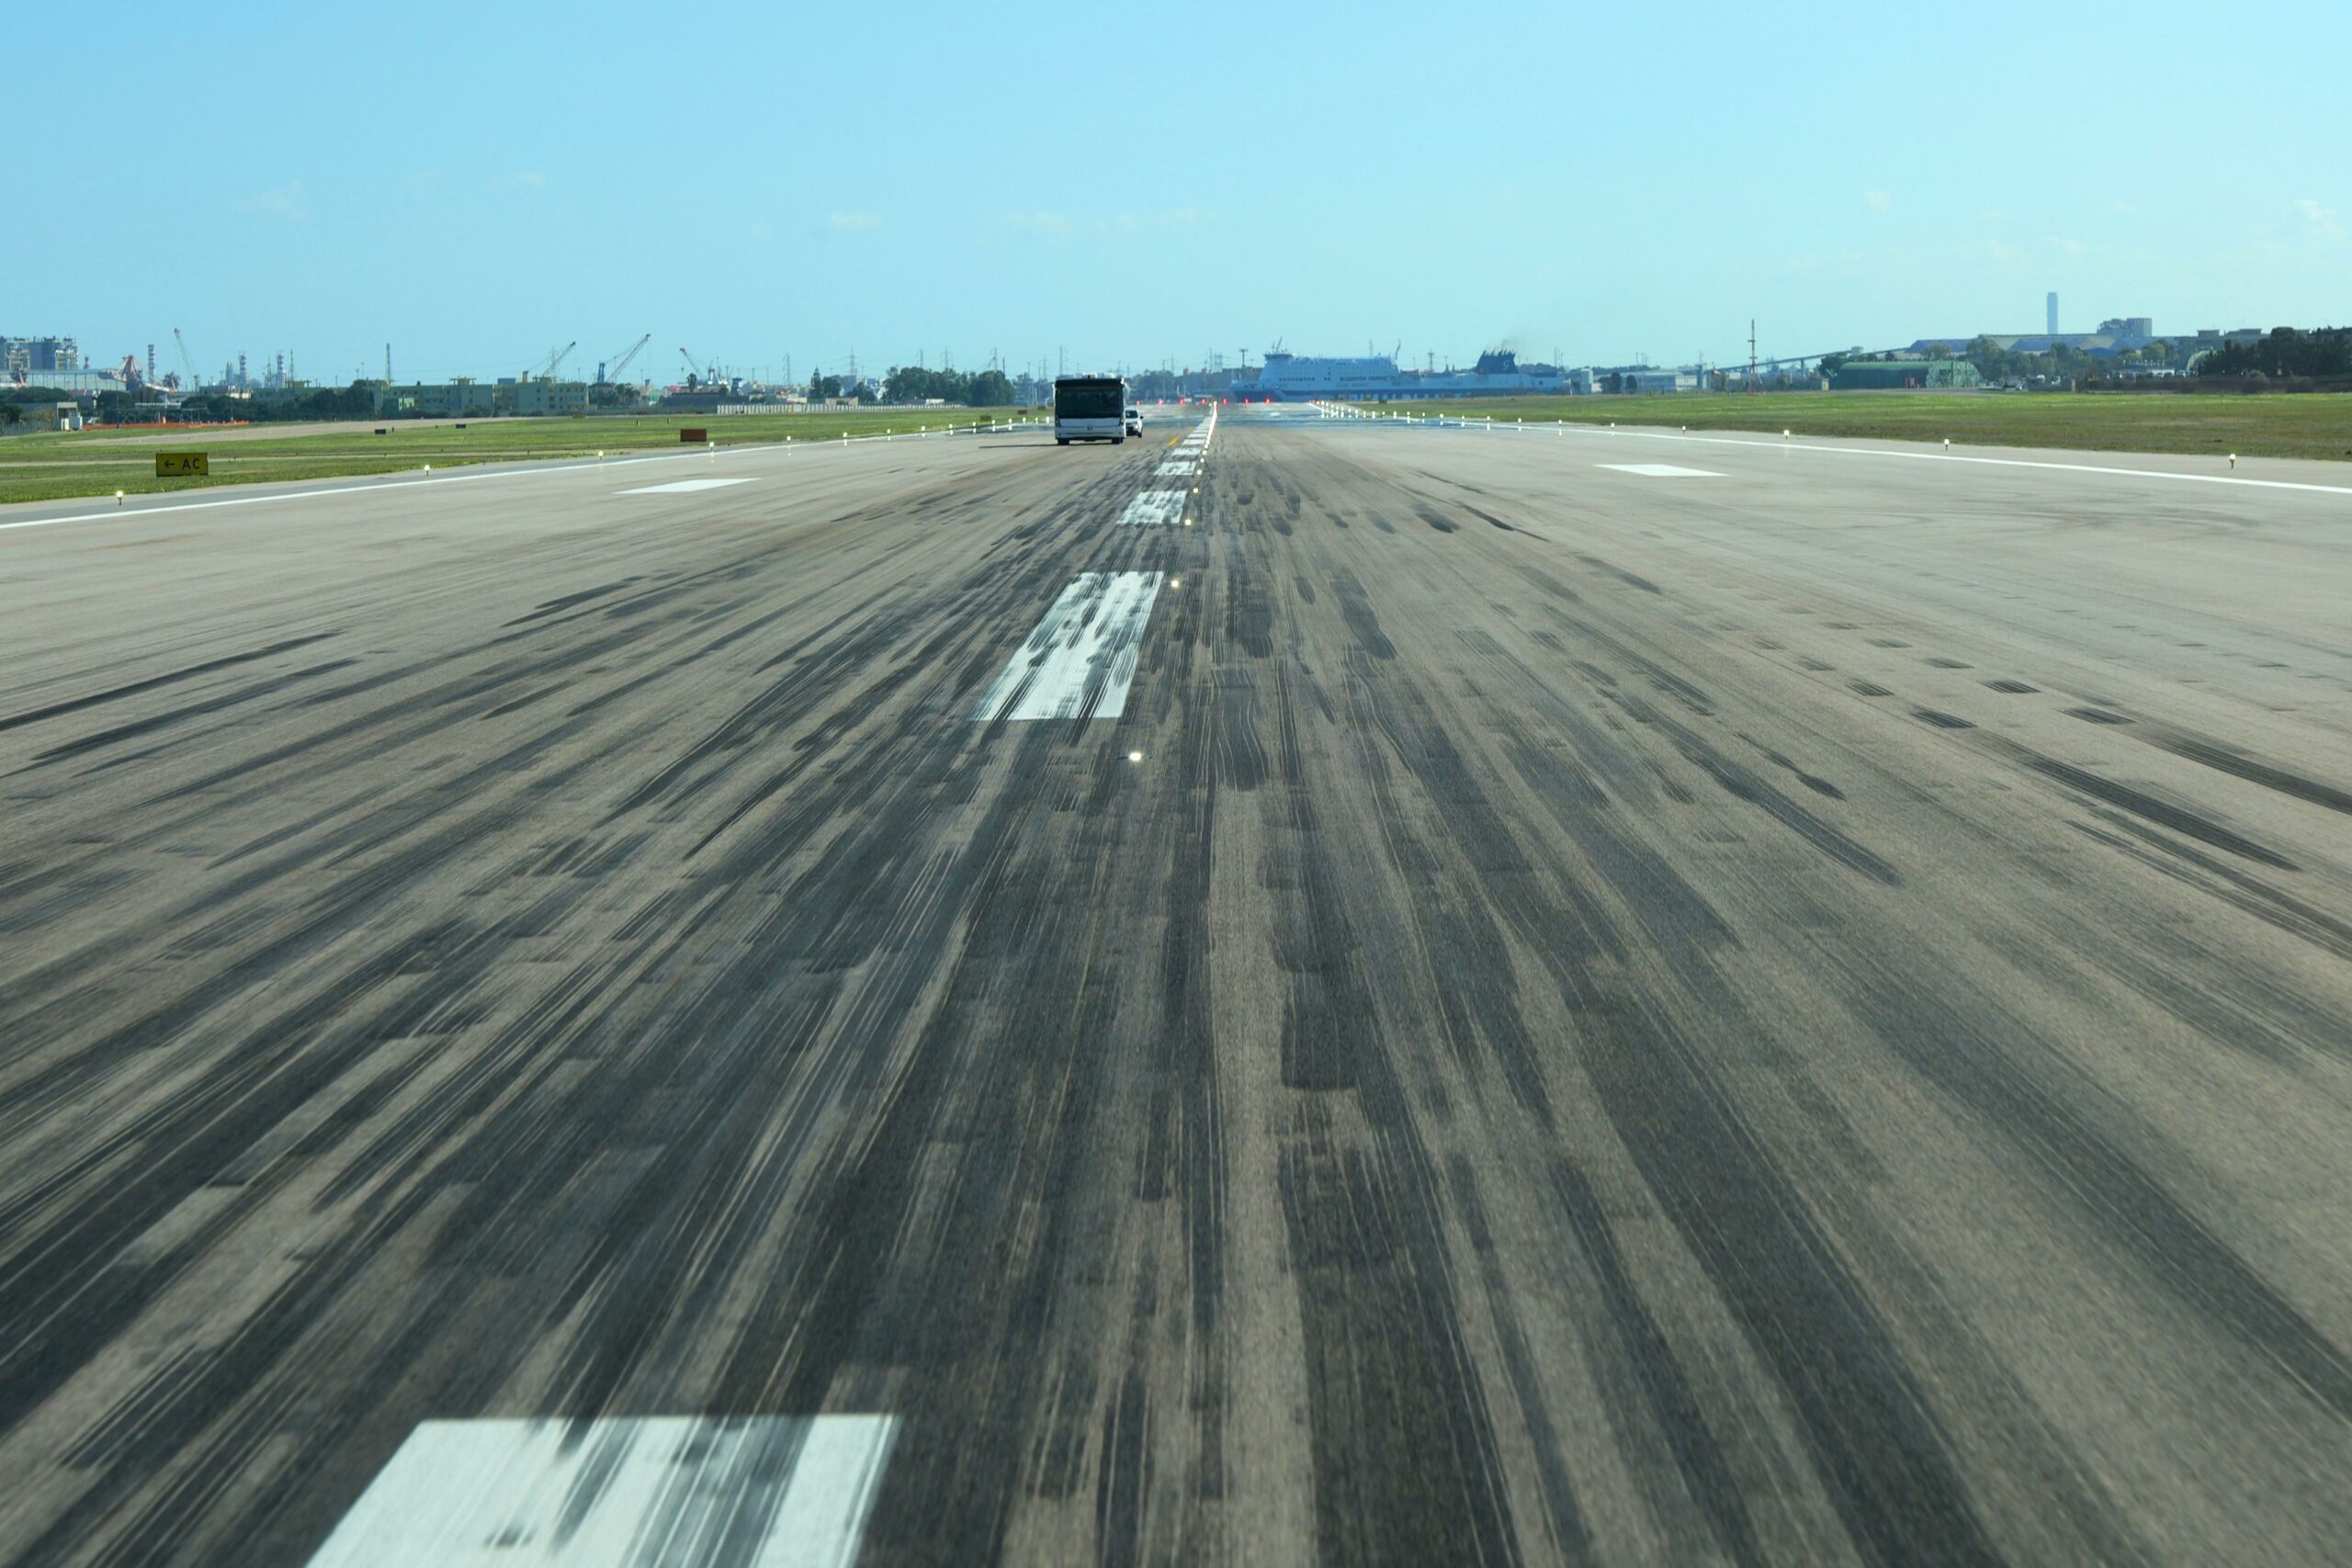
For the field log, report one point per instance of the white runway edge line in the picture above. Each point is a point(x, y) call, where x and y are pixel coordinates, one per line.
point(1661, 472)
point(1154, 508)
point(470, 476)
point(763, 1490)
point(680, 486)
point(1583, 429)
point(1081, 657)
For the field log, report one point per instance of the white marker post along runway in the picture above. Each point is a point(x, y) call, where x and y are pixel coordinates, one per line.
point(764, 1491)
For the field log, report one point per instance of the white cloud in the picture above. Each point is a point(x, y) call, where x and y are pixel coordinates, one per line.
point(286, 201)
point(2326, 220)
point(851, 222)
point(519, 180)
point(1878, 200)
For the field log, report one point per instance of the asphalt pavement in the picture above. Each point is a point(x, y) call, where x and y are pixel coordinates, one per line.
point(1303, 991)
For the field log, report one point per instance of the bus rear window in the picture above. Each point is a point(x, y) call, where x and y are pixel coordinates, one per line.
point(1089, 400)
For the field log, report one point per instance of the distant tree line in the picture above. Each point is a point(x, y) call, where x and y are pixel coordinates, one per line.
point(354, 401)
point(2324, 351)
point(978, 390)
point(2062, 362)
point(14, 400)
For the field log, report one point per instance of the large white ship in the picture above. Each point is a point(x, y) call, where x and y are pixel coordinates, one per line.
point(1297, 379)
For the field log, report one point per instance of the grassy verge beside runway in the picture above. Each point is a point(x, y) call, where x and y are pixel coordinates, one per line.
point(99, 462)
point(2302, 425)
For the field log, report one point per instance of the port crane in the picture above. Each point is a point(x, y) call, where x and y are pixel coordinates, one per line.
point(695, 365)
point(187, 361)
point(621, 361)
point(547, 371)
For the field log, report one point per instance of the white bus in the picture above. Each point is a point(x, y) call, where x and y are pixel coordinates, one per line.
point(1089, 408)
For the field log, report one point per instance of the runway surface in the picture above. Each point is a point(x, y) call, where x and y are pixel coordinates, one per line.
point(1437, 997)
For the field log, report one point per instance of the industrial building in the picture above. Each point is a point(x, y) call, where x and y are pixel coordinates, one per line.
point(453, 400)
point(21, 357)
point(532, 395)
point(48, 416)
point(84, 382)
point(465, 399)
point(1881, 374)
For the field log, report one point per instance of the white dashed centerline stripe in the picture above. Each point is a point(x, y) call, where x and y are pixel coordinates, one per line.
point(680, 486)
point(1176, 467)
point(1154, 508)
point(764, 1491)
point(1079, 660)
point(1662, 471)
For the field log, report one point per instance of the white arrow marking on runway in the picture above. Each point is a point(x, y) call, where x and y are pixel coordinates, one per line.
point(1662, 471)
point(766, 1490)
point(1082, 655)
point(680, 486)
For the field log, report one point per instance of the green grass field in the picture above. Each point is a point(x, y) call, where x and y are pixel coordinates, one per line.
point(99, 462)
point(2301, 425)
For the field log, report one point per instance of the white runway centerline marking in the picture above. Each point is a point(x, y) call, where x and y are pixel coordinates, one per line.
point(1154, 508)
point(1662, 471)
point(764, 1491)
point(680, 486)
point(1177, 467)
point(1082, 655)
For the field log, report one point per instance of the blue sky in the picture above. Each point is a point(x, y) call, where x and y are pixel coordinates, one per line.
point(480, 183)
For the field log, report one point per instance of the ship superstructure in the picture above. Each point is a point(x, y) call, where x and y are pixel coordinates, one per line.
point(1299, 378)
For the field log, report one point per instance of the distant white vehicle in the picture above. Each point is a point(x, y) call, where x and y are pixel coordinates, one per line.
point(1135, 420)
point(1089, 408)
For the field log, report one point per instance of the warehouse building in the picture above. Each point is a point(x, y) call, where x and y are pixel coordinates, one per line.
point(1882, 375)
point(454, 399)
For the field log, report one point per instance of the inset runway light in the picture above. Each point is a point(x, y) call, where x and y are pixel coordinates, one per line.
point(1134, 756)
point(1175, 582)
